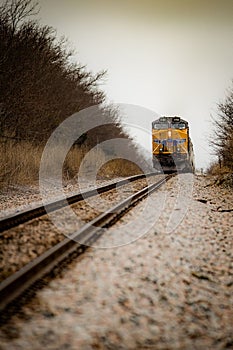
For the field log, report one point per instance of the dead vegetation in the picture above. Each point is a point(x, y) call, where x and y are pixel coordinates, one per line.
point(222, 140)
point(40, 87)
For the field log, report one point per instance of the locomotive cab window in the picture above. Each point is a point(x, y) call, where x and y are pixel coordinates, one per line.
point(180, 126)
point(160, 126)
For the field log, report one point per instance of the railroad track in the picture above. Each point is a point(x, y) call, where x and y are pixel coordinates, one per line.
point(16, 284)
point(24, 216)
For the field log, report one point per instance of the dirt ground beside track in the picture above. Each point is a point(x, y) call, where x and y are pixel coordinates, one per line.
point(169, 287)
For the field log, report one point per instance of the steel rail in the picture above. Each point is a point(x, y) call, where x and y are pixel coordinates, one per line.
point(26, 215)
point(19, 282)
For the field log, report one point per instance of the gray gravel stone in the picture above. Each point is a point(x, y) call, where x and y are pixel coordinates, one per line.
point(171, 288)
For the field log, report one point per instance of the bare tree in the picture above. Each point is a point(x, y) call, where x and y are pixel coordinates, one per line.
point(39, 85)
point(15, 12)
point(222, 140)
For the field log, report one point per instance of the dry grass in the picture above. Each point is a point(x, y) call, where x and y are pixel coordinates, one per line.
point(118, 167)
point(222, 175)
point(215, 169)
point(20, 164)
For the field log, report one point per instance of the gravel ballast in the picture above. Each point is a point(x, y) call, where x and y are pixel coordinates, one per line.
point(18, 198)
point(171, 288)
point(27, 241)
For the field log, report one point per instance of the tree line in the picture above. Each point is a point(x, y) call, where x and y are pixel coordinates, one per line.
point(222, 139)
point(39, 82)
point(40, 86)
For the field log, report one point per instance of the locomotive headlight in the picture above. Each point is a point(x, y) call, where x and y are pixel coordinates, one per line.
point(169, 134)
point(160, 150)
point(178, 149)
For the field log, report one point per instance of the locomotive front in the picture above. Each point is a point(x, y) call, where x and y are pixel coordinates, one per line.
point(171, 144)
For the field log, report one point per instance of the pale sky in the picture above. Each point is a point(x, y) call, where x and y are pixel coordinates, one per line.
point(173, 57)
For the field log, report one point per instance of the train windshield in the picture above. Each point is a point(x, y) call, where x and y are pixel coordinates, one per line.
point(178, 126)
point(160, 126)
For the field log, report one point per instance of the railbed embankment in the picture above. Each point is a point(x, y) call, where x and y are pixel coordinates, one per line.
point(169, 289)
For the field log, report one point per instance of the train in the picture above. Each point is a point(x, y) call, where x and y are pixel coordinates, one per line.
point(172, 148)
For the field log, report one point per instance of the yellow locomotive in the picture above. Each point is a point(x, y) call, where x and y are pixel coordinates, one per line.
point(171, 145)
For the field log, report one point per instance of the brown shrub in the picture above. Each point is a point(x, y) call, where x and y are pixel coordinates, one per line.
point(21, 163)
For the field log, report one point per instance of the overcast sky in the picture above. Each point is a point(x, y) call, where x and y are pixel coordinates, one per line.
point(171, 57)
